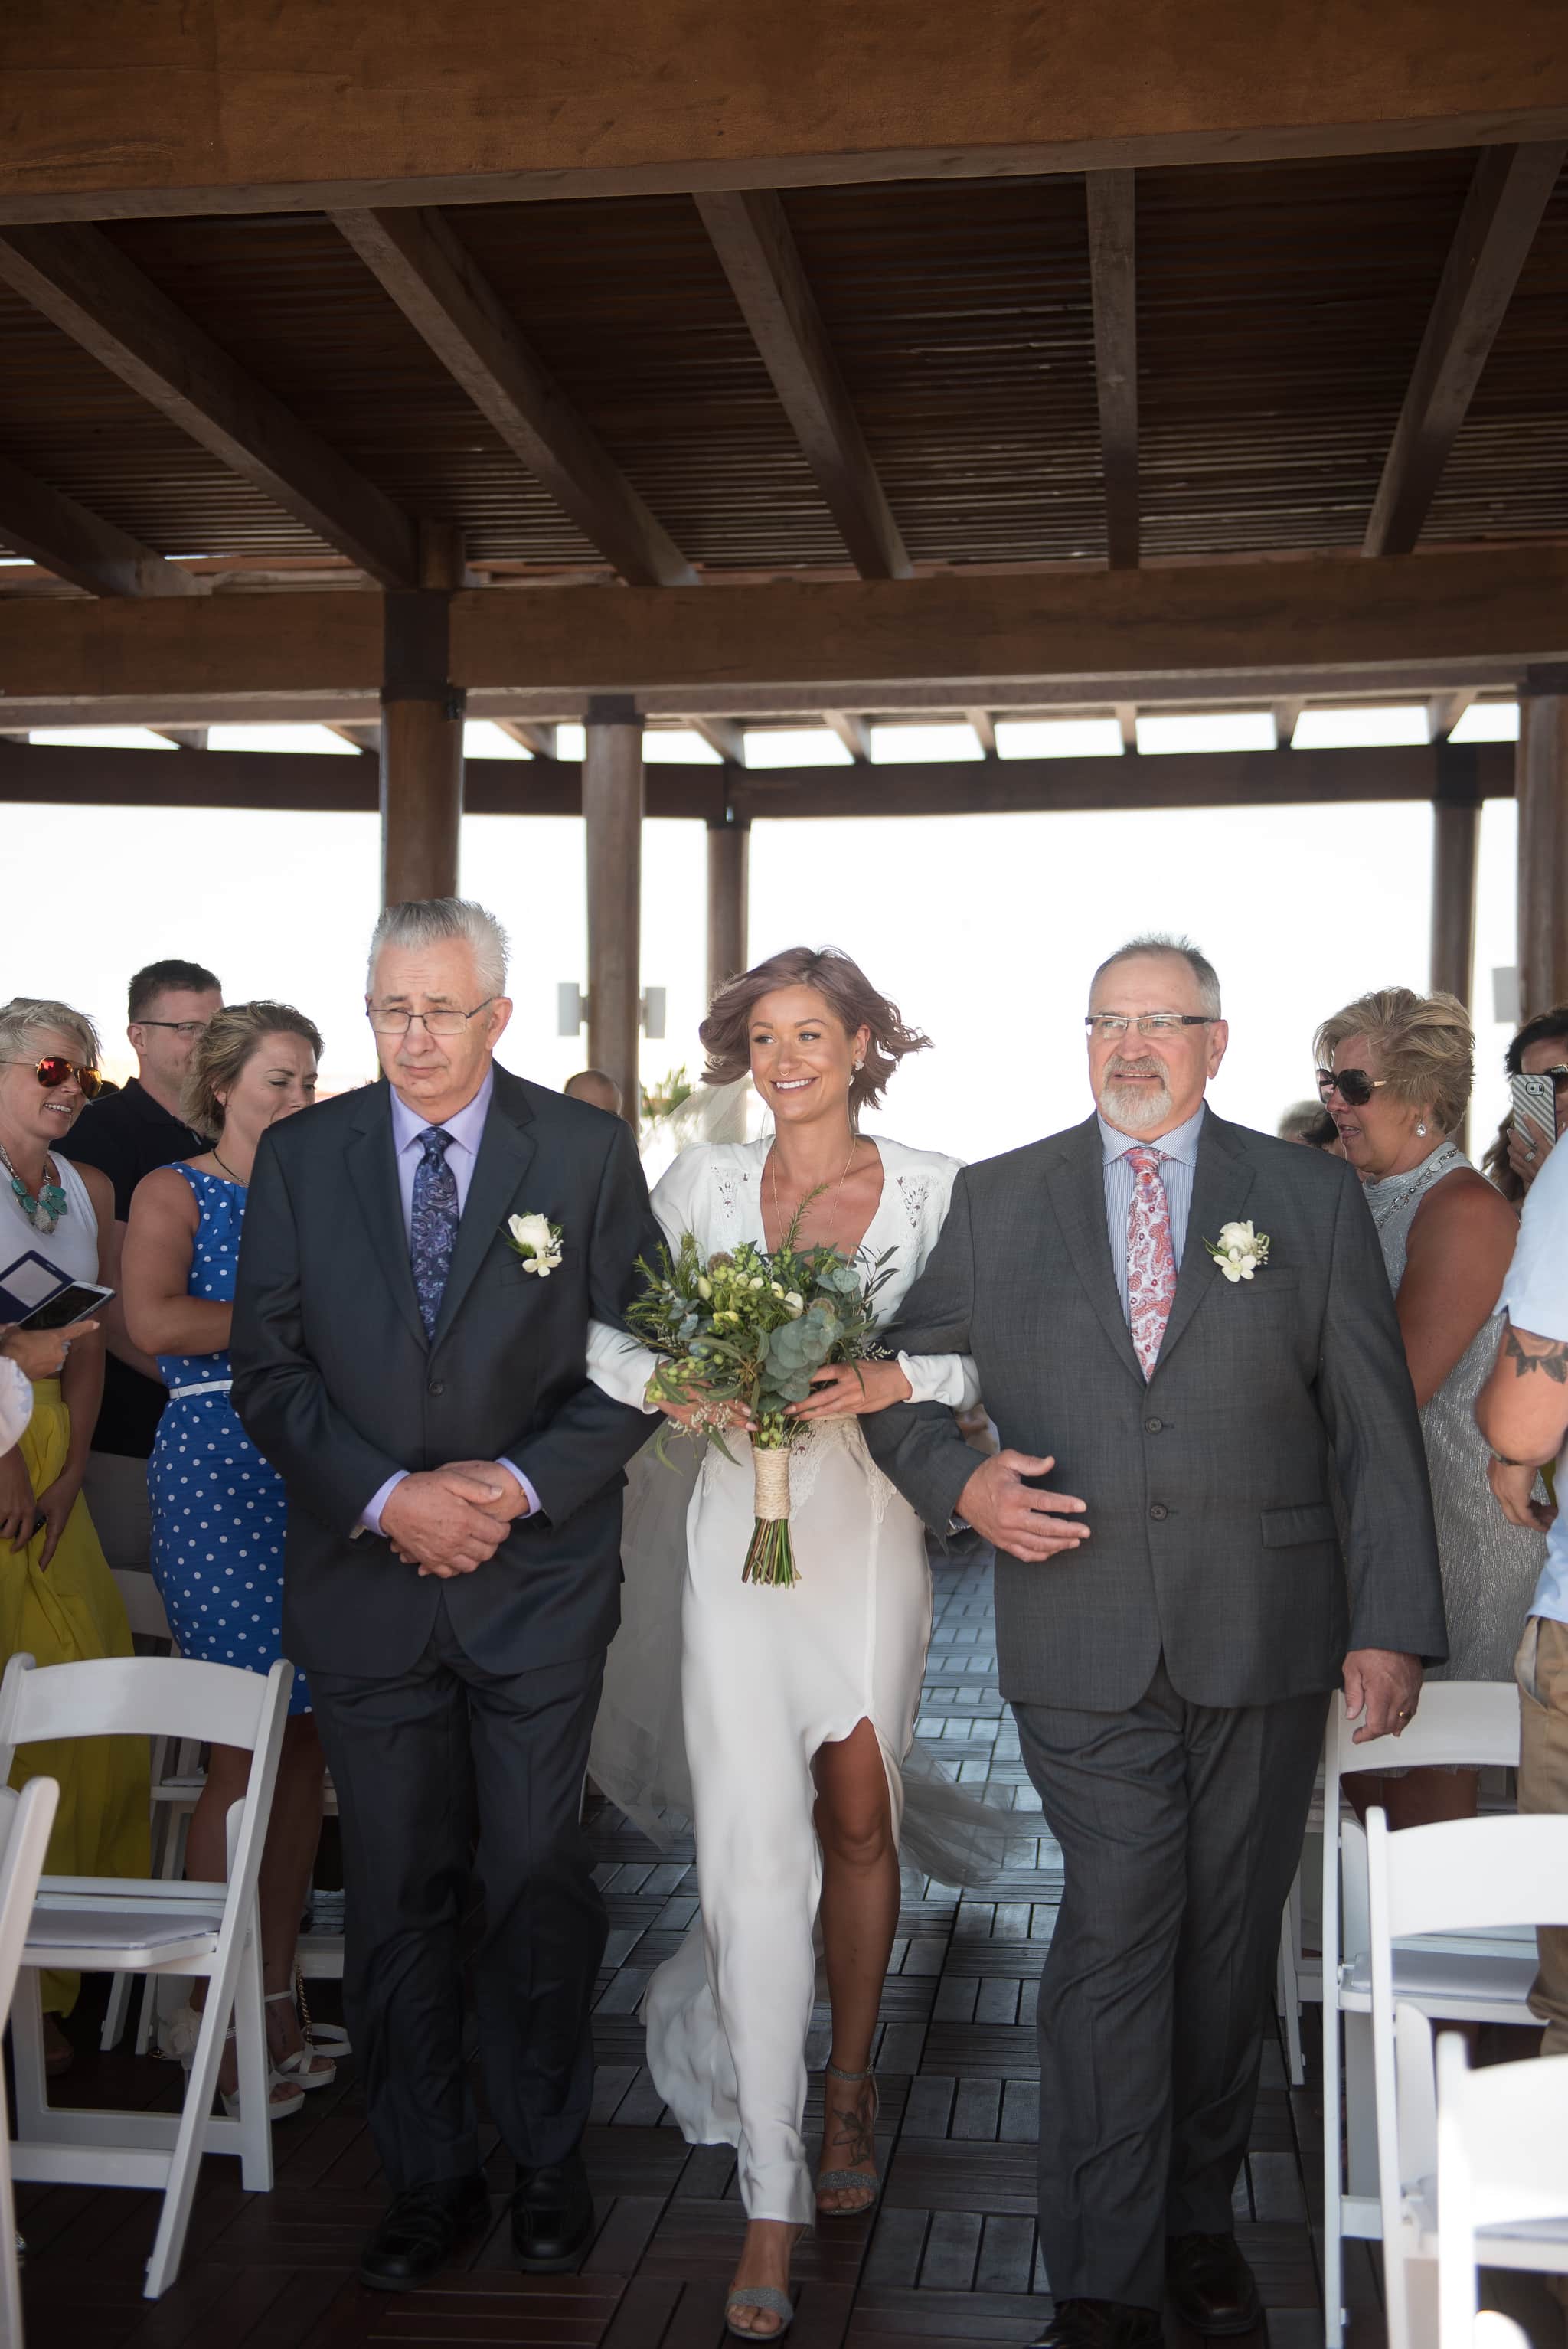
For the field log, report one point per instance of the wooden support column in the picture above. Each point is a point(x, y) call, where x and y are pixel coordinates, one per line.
point(422, 728)
point(1542, 791)
point(728, 876)
point(612, 819)
point(1456, 838)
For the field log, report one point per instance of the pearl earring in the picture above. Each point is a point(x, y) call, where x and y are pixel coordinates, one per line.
point(1420, 1125)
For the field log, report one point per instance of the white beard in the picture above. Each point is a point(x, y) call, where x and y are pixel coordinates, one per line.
point(1132, 1109)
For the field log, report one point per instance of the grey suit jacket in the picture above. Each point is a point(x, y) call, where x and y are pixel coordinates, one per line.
point(1210, 1489)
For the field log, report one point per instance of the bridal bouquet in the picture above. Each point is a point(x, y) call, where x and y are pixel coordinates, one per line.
point(743, 1326)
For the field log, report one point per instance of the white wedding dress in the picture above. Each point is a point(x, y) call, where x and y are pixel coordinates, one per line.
point(767, 1676)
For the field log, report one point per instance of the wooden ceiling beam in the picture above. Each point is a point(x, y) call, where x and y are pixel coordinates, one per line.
point(758, 252)
point(539, 741)
point(85, 286)
point(1113, 279)
point(184, 738)
point(853, 731)
point(360, 738)
point(1445, 710)
point(1125, 716)
point(1227, 632)
point(64, 776)
point(80, 546)
point(427, 272)
point(787, 704)
point(1508, 192)
point(982, 726)
point(723, 735)
point(303, 109)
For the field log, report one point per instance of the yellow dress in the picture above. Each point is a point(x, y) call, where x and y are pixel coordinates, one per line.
point(71, 1614)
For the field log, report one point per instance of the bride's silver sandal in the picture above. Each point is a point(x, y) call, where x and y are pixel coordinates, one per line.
point(851, 2181)
point(766, 2297)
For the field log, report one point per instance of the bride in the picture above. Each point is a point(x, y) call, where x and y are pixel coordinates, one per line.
point(798, 1704)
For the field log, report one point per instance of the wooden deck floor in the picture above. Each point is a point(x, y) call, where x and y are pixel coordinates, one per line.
point(951, 2255)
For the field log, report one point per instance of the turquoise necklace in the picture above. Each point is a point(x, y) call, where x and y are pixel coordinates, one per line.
point(44, 1212)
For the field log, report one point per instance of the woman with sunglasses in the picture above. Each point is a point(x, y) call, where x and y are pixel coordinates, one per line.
point(1394, 1071)
point(57, 1598)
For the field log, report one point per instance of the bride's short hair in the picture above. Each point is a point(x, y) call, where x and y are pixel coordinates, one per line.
point(849, 995)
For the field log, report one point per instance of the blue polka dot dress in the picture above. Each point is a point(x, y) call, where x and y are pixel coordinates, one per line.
point(217, 1507)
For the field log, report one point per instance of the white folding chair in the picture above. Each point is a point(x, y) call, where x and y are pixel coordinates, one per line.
point(1502, 2174)
point(1460, 1880)
point(1460, 1724)
point(144, 1612)
point(145, 1925)
point(25, 1822)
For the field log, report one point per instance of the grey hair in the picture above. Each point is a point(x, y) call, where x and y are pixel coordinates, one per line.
point(430, 922)
point(1158, 942)
point(26, 1017)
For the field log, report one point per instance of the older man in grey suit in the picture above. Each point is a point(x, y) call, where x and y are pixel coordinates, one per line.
point(1172, 1624)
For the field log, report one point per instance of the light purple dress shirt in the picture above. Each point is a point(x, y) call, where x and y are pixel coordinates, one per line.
point(467, 1130)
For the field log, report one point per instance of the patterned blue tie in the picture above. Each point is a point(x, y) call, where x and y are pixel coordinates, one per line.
point(433, 1225)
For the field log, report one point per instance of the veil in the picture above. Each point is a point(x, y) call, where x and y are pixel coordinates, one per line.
point(638, 1754)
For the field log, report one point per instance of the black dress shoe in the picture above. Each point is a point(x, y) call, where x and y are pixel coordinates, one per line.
point(552, 2216)
point(1101, 2325)
point(421, 2230)
point(1211, 2287)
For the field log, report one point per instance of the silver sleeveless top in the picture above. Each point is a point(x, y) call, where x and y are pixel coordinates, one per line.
point(1489, 1568)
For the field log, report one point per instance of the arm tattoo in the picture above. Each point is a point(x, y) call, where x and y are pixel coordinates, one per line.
point(1527, 1353)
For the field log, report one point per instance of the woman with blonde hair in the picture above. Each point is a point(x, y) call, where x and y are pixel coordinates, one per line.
point(1394, 1071)
point(217, 1507)
point(58, 1602)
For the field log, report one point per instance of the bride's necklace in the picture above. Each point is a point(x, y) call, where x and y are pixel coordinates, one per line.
point(45, 1211)
point(773, 1174)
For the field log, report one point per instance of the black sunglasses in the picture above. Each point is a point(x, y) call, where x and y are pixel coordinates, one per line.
point(55, 1070)
point(1354, 1086)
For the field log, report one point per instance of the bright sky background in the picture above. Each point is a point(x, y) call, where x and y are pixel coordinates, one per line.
point(984, 929)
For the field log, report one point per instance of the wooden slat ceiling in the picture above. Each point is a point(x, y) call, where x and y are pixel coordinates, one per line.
point(1279, 311)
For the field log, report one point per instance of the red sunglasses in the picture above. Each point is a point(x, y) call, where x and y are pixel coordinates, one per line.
point(54, 1070)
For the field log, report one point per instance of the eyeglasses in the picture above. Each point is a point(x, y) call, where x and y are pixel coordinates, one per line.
point(1110, 1026)
point(1354, 1086)
point(176, 1027)
point(435, 1023)
point(53, 1071)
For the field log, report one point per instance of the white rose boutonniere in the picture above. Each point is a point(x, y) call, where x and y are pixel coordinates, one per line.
point(537, 1241)
point(1239, 1250)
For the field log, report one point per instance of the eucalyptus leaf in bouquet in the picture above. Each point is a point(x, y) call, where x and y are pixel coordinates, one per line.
point(745, 1329)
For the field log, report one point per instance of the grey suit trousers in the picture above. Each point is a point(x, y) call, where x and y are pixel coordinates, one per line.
point(1181, 1827)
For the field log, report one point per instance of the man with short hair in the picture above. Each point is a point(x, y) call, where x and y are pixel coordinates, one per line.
point(1523, 1412)
point(417, 1368)
point(596, 1086)
point(1191, 1323)
point(128, 1134)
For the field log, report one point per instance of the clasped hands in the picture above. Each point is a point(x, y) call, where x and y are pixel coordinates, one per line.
point(447, 1521)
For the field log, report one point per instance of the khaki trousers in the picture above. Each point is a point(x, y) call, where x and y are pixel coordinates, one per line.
point(1540, 1669)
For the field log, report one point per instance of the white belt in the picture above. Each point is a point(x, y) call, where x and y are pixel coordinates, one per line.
point(210, 1386)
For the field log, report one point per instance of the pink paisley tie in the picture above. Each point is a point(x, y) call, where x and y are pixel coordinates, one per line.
point(1151, 1257)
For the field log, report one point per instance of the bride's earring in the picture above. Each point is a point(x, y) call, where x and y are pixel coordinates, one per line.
point(1420, 1125)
